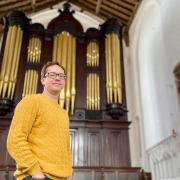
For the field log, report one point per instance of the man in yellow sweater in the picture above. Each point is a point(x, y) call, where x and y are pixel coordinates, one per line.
point(39, 138)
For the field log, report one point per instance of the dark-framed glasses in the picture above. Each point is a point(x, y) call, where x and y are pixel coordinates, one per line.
point(54, 75)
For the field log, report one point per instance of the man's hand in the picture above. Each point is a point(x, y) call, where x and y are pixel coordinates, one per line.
point(38, 175)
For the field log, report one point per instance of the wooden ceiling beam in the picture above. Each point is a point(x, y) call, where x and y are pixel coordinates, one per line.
point(117, 8)
point(108, 15)
point(6, 2)
point(15, 5)
point(123, 4)
point(88, 9)
point(116, 13)
point(42, 2)
point(89, 4)
point(98, 6)
point(134, 2)
point(83, 6)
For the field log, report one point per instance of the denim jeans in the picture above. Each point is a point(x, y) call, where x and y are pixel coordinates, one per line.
point(31, 178)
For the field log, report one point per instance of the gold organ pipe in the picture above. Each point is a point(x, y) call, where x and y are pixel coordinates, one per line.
point(25, 84)
point(95, 54)
point(95, 91)
point(33, 80)
point(4, 62)
point(14, 62)
point(73, 74)
point(33, 45)
point(55, 39)
point(59, 49)
point(92, 91)
point(28, 54)
point(31, 52)
point(118, 65)
point(62, 38)
point(63, 62)
point(107, 65)
point(64, 52)
point(33, 84)
point(30, 48)
point(88, 55)
point(17, 62)
point(36, 81)
point(30, 81)
point(40, 45)
point(92, 100)
point(109, 74)
point(36, 50)
point(94, 57)
point(98, 93)
point(114, 68)
point(9, 60)
point(87, 90)
point(92, 54)
point(68, 82)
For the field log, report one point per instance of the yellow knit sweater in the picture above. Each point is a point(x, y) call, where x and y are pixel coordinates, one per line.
point(39, 138)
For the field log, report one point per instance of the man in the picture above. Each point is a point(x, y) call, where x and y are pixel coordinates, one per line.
point(38, 138)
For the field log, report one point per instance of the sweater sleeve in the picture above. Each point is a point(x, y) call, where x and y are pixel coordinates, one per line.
point(17, 141)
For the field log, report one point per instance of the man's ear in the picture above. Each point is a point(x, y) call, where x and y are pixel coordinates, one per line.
point(42, 81)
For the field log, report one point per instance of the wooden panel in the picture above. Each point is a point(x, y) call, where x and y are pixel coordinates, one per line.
point(117, 156)
point(85, 175)
point(128, 176)
point(93, 147)
point(3, 150)
point(89, 173)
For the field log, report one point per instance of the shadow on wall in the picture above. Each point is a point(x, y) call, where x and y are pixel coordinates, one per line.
point(177, 77)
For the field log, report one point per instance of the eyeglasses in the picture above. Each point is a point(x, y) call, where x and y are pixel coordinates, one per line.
point(54, 75)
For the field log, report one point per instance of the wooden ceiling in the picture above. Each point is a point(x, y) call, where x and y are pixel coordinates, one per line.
point(124, 10)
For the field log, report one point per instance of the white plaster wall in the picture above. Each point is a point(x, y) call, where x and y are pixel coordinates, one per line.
point(151, 91)
point(87, 20)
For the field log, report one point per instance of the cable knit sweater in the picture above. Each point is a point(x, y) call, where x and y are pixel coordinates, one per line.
point(39, 138)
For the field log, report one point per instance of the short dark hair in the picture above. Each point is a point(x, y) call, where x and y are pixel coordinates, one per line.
point(48, 64)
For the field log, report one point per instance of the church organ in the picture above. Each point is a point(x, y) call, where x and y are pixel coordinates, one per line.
point(94, 94)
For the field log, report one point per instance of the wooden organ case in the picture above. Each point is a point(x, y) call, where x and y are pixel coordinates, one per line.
point(94, 94)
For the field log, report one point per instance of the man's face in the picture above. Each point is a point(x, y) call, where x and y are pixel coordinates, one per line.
point(54, 79)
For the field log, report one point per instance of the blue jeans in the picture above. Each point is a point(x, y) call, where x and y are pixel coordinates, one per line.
point(30, 178)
